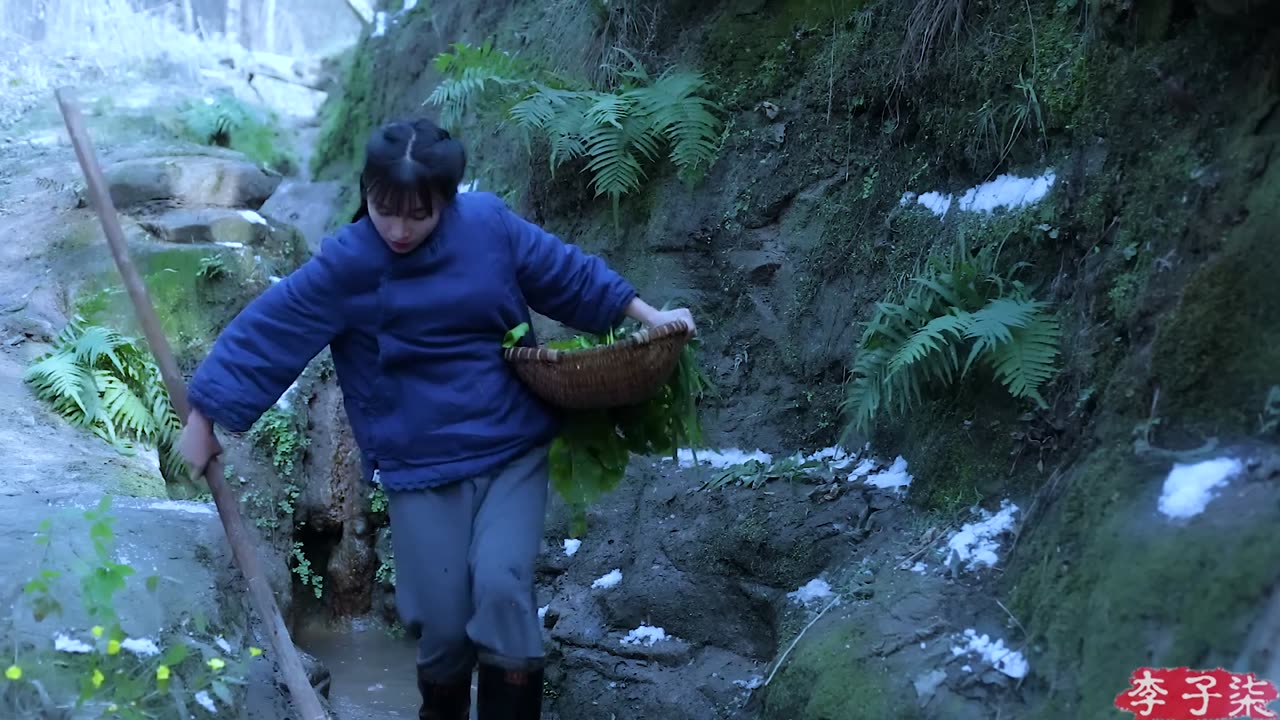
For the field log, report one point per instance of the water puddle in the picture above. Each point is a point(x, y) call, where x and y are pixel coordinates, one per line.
point(372, 673)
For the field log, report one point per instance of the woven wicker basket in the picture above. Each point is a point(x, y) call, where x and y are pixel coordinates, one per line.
point(627, 372)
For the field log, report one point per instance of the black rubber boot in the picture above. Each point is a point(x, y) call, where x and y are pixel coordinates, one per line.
point(508, 694)
point(445, 701)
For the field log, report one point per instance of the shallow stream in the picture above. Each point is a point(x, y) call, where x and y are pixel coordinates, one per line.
point(372, 673)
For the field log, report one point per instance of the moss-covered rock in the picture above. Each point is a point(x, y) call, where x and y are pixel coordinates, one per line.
point(832, 675)
point(1107, 584)
point(1217, 354)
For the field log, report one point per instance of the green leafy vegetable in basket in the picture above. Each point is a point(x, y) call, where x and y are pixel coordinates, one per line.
point(591, 453)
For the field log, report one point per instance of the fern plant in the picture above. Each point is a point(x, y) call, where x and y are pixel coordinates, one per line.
point(617, 132)
point(960, 312)
point(226, 121)
point(103, 381)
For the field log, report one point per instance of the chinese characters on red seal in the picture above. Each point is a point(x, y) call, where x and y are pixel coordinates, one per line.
point(1187, 694)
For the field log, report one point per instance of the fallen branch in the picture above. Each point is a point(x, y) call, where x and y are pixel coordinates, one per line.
point(906, 564)
point(792, 646)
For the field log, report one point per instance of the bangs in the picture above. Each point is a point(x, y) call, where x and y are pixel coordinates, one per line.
point(397, 190)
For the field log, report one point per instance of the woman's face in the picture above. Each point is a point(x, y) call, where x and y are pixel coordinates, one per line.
point(405, 231)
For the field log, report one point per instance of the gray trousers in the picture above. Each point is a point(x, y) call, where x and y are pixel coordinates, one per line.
point(465, 558)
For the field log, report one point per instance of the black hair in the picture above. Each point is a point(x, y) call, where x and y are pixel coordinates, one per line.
point(404, 159)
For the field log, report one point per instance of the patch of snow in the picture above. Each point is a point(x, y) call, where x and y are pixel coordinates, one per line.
point(571, 546)
point(645, 635)
point(206, 702)
point(1189, 488)
point(63, 643)
point(379, 24)
point(608, 580)
point(468, 186)
point(975, 543)
point(409, 5)
point(145, 647)
point(836, 457)
point(750, 683)
point(721, 459)
point(919, 568)
point(542, 611)
point(222, 643)
point(864, 468)
point(896, 477)
point(1008, 661)
point(815, 589)
point(935, 202)
point(967, 668)
point(274, 279)
point(254, 218)
point(187, 506)
point(230, 244)
point(1006, 191)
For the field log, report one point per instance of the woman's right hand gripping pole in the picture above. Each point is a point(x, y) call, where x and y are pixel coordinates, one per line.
point(198, 445)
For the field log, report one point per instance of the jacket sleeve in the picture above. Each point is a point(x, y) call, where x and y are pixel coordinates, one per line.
point(564, 283)
point(268, 345)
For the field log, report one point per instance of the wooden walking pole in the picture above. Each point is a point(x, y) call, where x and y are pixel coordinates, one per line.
point(295, 677)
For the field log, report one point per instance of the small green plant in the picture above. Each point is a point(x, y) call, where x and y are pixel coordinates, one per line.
point(211, 268)
point(960, 311)
point(277, 433)
point(227, 121)
point(618, 132)
point(378, 500)
point(592, 452)
point(269, 512)
point(108, 383)
point(386, 573)
point(101, 669)
point(302, 568)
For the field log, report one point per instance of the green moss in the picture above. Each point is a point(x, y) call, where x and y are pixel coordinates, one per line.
point(830, 677)
point(192, 302)
point(1219, 351)
point(960, 451)
point(1147, 591)
point(759, 56)
point(136, 484)
point(346, 120)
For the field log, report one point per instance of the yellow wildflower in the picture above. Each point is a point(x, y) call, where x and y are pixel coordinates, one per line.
point(97, 631)
point(113, 647)
point(162, 672)
point(13, 673)
point(255, 652)
point(216, 663)
point(98, 677)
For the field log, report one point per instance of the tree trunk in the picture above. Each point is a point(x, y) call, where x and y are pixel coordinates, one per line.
point(188, 17)
point(233, 21)
point(269, 24)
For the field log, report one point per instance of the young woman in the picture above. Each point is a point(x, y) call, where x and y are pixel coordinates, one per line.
point(413, 298)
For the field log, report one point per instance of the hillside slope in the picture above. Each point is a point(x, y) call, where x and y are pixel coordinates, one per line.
point(1119, 151)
